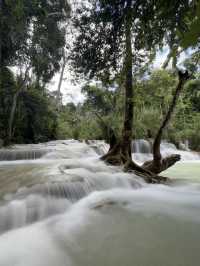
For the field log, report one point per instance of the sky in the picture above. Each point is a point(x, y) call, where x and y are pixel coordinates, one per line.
point(71, 91)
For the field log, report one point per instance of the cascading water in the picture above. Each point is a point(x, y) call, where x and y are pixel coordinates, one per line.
point(34, 189)
point(143, 151)
point(13, 155)
point(67, 208)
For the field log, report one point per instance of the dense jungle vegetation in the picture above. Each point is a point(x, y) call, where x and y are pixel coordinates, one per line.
point(105, 104)
point(34, 41)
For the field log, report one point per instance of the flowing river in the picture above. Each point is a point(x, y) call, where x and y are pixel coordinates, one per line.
point(61, 206)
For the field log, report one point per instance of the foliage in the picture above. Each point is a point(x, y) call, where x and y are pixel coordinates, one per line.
point(31, 34)
point(99, 48)
point(190, 36)
point(32, 40)
point(35, 117)
point(153, 94)
point(7, 90)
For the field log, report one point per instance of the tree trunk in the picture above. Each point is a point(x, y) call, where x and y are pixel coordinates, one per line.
point(159, 164)
point(14, 104)
point(128, 119)
point(58, 98)
point(12, 115)
point(107, 131)
point(120, 153)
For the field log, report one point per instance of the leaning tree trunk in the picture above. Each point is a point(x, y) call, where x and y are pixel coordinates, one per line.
point(159, 164)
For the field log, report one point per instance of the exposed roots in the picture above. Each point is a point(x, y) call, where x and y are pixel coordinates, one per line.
point(161, 165)
point(147, 175)
point(116, 156)
point(113, 156)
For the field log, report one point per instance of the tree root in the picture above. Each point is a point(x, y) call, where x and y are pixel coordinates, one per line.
point(147, 175)
point(162, 165)
point(148, 171)
point(115, 157)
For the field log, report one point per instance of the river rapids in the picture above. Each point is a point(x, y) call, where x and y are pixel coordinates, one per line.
point(61, 206)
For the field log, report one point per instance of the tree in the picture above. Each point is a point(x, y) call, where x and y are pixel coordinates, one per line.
point(32, 38)
point(35, 119)
point(187, 37)
point(158, 164)
point(7, 90)
point(101, 101)
point(191, 35)
point(31, 28)
point(20, 86)
point(112, 35)
point(59, 96)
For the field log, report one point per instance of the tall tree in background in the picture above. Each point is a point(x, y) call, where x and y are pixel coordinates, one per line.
point(59, 95)
point(116, 36)
point(32, 39)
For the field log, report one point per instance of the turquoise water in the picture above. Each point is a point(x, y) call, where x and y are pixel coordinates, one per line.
point(185, 170)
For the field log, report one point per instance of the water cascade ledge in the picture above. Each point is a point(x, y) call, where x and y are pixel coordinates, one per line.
point(14, 155)
point(142, 151)
point(68, 208)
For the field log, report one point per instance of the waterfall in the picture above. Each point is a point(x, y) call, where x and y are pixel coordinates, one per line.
point(70, 171)
point(142, 151)
point(68, 208)
point(13, 155)
point(141, 146)
point(150, 226)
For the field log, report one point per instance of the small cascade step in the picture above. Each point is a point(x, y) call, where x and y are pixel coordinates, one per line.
point(14, 155)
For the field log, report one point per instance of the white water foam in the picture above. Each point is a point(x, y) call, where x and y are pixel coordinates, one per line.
point(91, 214)
point(151, 226)
point(143, 151)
